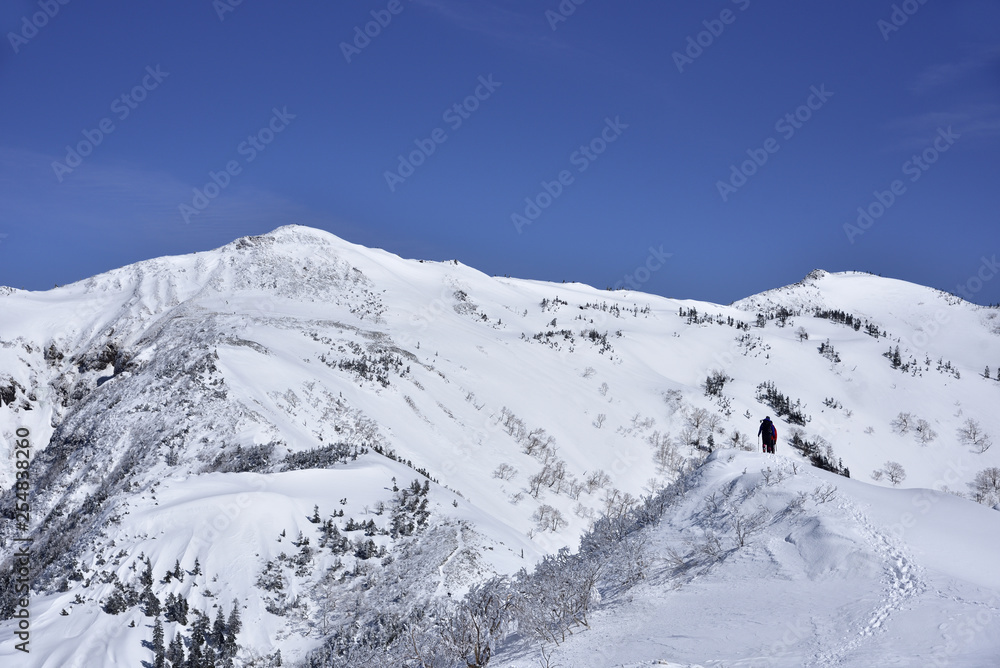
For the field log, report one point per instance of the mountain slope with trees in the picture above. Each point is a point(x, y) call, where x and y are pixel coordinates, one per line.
point(335, 442)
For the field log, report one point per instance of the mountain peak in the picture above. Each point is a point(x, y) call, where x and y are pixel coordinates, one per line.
point(214, 406)
point(816, 274)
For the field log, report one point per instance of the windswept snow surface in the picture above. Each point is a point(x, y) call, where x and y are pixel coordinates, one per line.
point(840, 573)
point(204, 407)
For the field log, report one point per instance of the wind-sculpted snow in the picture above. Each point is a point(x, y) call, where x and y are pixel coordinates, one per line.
point(346, 443)
point(764, 562)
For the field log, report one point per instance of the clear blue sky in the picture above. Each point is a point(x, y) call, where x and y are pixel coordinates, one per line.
point(309, 128)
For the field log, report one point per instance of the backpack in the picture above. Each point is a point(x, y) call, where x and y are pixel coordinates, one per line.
point(773, 435)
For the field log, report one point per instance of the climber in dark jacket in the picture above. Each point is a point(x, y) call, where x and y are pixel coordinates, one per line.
point(768, 434)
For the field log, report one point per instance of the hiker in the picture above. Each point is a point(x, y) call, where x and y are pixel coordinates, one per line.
point(768, 434)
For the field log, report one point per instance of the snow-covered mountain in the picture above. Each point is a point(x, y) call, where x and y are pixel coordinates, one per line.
point(334, 441)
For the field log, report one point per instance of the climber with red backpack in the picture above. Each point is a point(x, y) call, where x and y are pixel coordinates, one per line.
point(768, 434)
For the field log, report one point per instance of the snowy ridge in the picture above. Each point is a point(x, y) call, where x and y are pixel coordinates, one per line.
point(271, 405)
point(819, 579)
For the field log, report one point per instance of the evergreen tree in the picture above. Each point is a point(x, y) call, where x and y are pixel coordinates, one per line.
point(175, 653)
point(178, 573)
point(199, 633)
point(151, 603)
point(146, 578)
point(233, 624)
point(159, 657)
point(176, 609)
point(219, 630)
point(197, 567)
point(986, 374)
point(116, 604)
point(194, 659)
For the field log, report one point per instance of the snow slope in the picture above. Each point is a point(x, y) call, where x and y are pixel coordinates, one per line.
point(172, 403)
point(839, 573)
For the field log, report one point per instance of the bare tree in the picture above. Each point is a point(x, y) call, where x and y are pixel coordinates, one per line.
point(739, 440)
point(674, 400)
point(709, 548)
point(665, 454)
point(689, 436)
point(557, 475)
point(903, 423)
point(537, 442)
point(771, 477)
point(924, 432)
point(506, 417)
point(713, 422)
point(422, 644)
point(599, 420)
point(545, 657)
point(597, 480)
point(696, 419)
point(617, 505)
point(824, 494)
point(504, 471)
point(745, 526)
point(548, 518)
point(972, 434)
point(575, 488)
point(556, 596)
point(536, 482)
point(895, 472)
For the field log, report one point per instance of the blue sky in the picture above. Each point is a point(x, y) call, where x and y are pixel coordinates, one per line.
point(703, 150)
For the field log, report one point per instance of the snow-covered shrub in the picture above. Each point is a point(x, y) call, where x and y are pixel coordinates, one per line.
point(819, 452)
point(827, 351)
point(323, 457)
point(715, 382)
point(479, 622)
point(986, 487)
point(769, 395)
point(253, 458)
